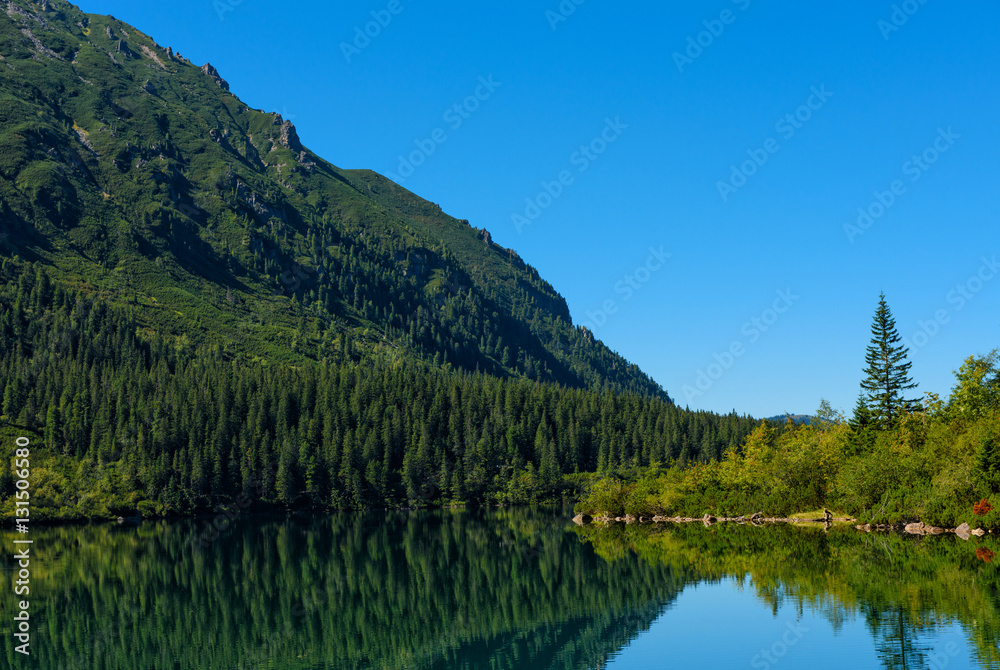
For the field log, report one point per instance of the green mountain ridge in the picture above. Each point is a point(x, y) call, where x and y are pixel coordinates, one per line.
point(197, 311)
point(136, 175)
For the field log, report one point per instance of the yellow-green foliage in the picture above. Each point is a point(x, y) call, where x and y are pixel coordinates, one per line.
point(977, 387)
point(741, 467)
point(932, 466)
point(61, 488)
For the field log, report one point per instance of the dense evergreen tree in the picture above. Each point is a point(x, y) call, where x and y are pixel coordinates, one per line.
point(886, 375)
point(127, 416)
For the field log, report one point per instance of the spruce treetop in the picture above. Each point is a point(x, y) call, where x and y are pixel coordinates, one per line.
point(886, 373)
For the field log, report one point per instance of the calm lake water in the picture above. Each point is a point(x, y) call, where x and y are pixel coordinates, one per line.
point(508, 588)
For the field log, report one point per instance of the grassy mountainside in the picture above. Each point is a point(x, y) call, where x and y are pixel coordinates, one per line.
point(197, 311)
point(138, 176)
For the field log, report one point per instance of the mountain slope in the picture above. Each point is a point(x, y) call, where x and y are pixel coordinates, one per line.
point(136, 176)
point(197, 311)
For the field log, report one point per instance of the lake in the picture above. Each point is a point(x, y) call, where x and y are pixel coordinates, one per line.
point(500, 588)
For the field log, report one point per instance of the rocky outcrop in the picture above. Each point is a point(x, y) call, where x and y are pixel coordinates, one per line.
point(964, 531)
point(289, 138)
point(922, 529)
point(84, 138)
point(213, 74)
point(122, 48)
point(152, 56)
point(305, 162)
point(39, 47)
point(13, 10)
point(262, 209)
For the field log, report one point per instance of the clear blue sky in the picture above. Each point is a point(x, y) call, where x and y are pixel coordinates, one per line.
point(880, 95)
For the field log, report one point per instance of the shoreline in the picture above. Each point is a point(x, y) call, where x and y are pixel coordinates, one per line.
point(918, 528)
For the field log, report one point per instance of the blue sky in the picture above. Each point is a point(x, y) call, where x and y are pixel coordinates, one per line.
point(704, 160)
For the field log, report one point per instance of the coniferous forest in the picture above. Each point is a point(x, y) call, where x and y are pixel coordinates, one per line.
point(134, 423)
point(197, 310)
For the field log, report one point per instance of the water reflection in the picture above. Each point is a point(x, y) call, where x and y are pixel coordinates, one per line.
point(508, 588)
point(925, 602)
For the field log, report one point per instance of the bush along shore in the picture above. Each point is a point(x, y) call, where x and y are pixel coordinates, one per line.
point(926, 469)
point(964, 531)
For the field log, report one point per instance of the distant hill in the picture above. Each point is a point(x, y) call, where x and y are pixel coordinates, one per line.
point(797, 418)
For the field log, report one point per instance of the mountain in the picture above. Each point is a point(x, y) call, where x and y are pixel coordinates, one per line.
point(781, 419)
point(196, 310)
point(138, 176)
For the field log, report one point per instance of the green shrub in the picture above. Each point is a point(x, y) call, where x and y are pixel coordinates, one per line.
point(148, 508)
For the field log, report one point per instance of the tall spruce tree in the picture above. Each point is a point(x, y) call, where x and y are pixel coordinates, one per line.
point(887, 375)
